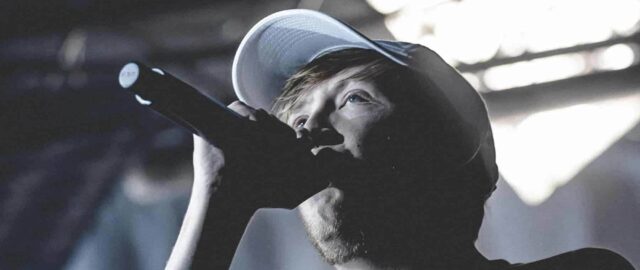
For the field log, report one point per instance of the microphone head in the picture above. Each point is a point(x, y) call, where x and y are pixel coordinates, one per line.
point(129, 74)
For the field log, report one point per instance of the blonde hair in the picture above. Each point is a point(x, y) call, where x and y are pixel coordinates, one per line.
point(375, 67)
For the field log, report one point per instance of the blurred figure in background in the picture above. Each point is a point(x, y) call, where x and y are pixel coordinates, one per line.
point(137, 224)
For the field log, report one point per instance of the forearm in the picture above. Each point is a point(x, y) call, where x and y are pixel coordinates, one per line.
point(212, 228)
point(186, 244)
point(226, 218)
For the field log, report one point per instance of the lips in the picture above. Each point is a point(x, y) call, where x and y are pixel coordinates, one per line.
point(343, 171)
point(339, 148)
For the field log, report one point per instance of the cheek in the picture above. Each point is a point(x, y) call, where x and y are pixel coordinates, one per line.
point(379, 141)
point(360, 132)
point(354, 140)
point(358, 116)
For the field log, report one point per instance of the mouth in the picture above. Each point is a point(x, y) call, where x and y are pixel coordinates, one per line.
point(343, 171)
point(338, 148)
point(333, 158)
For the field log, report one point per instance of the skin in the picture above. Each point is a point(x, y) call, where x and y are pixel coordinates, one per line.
point(342, 112)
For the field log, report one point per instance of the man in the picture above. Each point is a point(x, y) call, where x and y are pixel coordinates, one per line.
point(402, 142)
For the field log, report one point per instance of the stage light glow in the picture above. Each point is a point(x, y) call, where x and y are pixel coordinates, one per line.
point(536, 71)
point(474, 30)
point(392, 6)
point(387, 6)
point(435, 44)
point(557, 67)
point(473, 79)
point(508, 76)
point(616, 57)
point(513, 44)
point(547, 149)
point(406, 25)
point(567, 23)
point(469, 42)
point(622, 15)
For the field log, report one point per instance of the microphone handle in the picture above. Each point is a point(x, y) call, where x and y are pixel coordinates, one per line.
point(239, 137)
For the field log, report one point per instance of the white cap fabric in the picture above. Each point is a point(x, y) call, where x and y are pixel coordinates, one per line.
point(277, 46)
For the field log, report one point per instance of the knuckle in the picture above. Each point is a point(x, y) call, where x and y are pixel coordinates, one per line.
point(235, 104)
point(242, 109)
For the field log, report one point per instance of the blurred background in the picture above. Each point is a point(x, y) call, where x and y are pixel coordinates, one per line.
point(89, 179)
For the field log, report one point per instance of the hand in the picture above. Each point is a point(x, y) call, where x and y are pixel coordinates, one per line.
point(207, 163)
point(277, 170)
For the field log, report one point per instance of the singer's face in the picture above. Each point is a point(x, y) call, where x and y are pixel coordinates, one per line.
point(347, 118)
point(340, 113)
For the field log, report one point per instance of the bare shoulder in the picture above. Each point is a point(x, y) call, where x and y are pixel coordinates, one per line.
point(583, 259)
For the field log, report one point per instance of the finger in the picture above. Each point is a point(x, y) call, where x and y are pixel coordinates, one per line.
point(243, 109)
point(261, 114)
point(198, 144)
point(200, 150)
point(303, 133)
point(304, 137)
point(272, 124)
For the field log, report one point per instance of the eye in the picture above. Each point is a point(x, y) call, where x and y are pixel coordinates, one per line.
point(356, 98)
point(299, 122)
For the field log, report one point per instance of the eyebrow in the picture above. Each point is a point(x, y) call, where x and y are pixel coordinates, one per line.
point(296, 106)
point(341, 85)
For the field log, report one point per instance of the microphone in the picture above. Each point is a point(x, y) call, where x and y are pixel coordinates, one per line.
point(239, 138)
point(183, 104)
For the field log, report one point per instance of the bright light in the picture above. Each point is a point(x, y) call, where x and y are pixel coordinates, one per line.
point(391, 6)
point(508, 76)
point(436, 45)
point(472, 79)
point(622, 15)
point(547, 149)
point(616, 57)
point(469, 30)
point(387, 6)
point(536, 71)
point(557, 67)
point(406, 25)
point(474, 30)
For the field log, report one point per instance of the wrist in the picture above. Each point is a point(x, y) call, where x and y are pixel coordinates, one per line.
point(224, 223)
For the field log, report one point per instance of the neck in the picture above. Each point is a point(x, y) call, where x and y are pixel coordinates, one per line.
point(464, 258)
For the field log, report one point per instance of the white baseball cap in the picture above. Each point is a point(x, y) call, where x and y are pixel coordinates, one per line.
point(277, 46)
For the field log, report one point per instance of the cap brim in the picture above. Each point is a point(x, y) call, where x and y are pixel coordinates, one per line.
point(277, 46)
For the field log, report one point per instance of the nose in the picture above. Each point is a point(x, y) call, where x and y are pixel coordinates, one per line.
point(319, 130)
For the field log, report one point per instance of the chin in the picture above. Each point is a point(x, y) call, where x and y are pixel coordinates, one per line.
point(324, 222)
